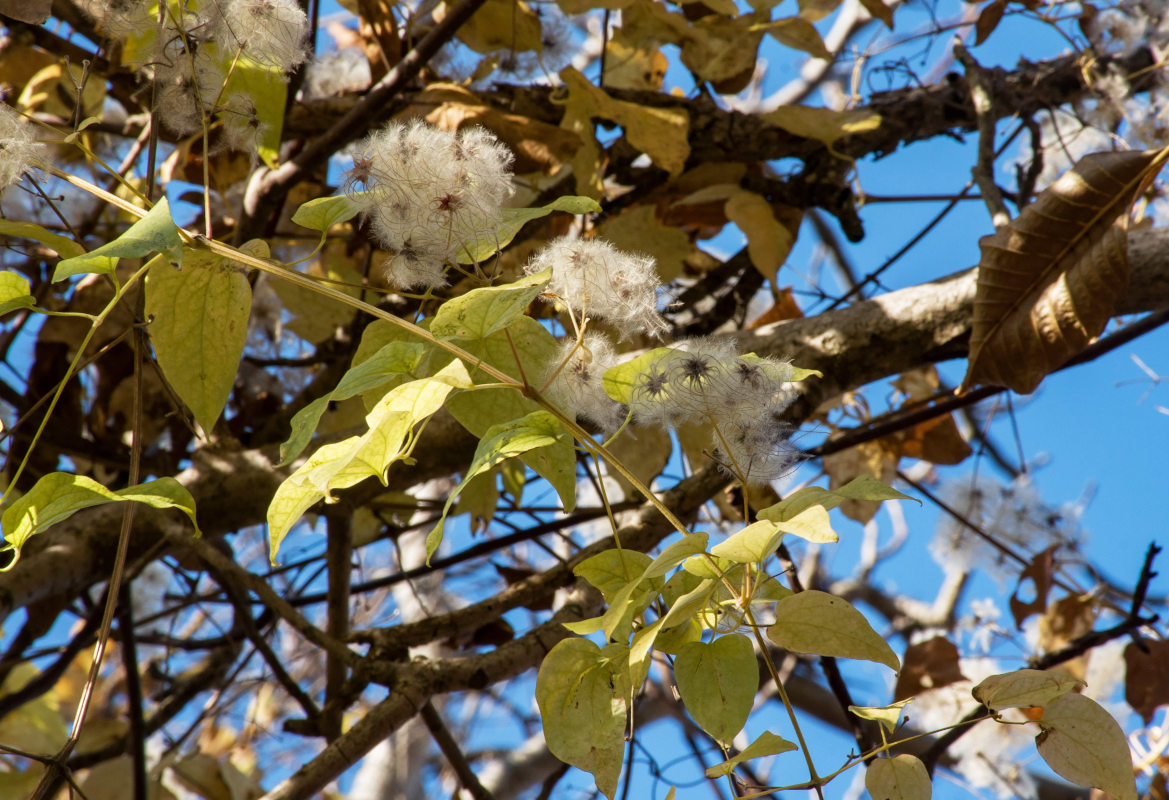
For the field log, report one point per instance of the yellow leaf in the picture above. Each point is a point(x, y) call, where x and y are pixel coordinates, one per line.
point(816, 10)
point(1024, 688)
point(1084, 744)
point(660, 133)
point(902, 777)
point(718, 49)
point(768, 242)
point(825, 625)
point(630, 66)
point(501, 25)
point(822, 124)
point(798, 34)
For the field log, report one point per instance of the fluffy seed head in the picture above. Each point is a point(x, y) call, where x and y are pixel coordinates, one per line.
point(596, 279)
point(19, 149)
point(430, 195)
point(269, 32)
point(578, 386)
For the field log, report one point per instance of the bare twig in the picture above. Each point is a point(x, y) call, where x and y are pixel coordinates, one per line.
point(983, 101)
point(454, 756)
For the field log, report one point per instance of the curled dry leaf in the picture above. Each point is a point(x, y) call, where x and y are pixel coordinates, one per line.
point(1049, 281)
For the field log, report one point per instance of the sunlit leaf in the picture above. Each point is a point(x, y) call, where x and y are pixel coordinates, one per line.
point(660, 133)
point(535, 431)
point(14, 292)
point(59, 495)
point(902, 777)
point(481, 312)
point(888, 715)
point(343, 464)
point(820, 623)
point(822, 124)
point(1084, 744)
point(198, 326)
point(753, 544)
point(1024, 688)
point(322, 213)
point(717, 683)
point(767, 744)
point(385, 365)
point(512, 219)
point(581, 693)
point(154, 233)
point(61, 245)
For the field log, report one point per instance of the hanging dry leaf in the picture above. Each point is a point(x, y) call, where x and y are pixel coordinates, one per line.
point(988, 20)
point(660, 133)
point(1146, 680)
point(379, 37)
point(1064, 621)
point(822, 124)
point(639, 231)
point(1041, 573)
point(879, 11)
point(769, 238)
point(501, 25)
point(931, 664)
point(1049, 281)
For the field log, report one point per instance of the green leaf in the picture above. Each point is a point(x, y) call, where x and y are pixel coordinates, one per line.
point(611, 570)
point(501, 442)
point(717, 683)
point(516, 218)
point(619, 381)
point(1081, 742)
point(753, 544)
point(325, 212)
point(581, 691)
point(820, 623)
point(15, 292)
point(154, 233)
point(481, 312)
point(805, 513)
point(198, 325)
point(620, 577)
point(674, 554)
point(902, 777)
point(1024, 688)
point(59, 495)
point(385, 365)
point(768, 744)
point(343, 464)
point(688, 605)
point(888, 715)
point(61, 245)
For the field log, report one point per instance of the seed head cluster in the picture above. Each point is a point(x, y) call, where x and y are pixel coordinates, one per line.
point(19, 149)
point(196, 50)
point(595, 279)
point(430, 196)
point(740, 397)
point(578, 388)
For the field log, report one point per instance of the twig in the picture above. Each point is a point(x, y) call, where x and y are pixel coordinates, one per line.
point(983, 102)
point(137, 733)
point(236, 575)
point(454, 756)
point(339, 554)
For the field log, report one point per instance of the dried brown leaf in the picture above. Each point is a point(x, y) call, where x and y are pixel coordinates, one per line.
point(1041, 573)
point(1146, 682)
point(988, 20)
point(1049, 281)
point(931, 664)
